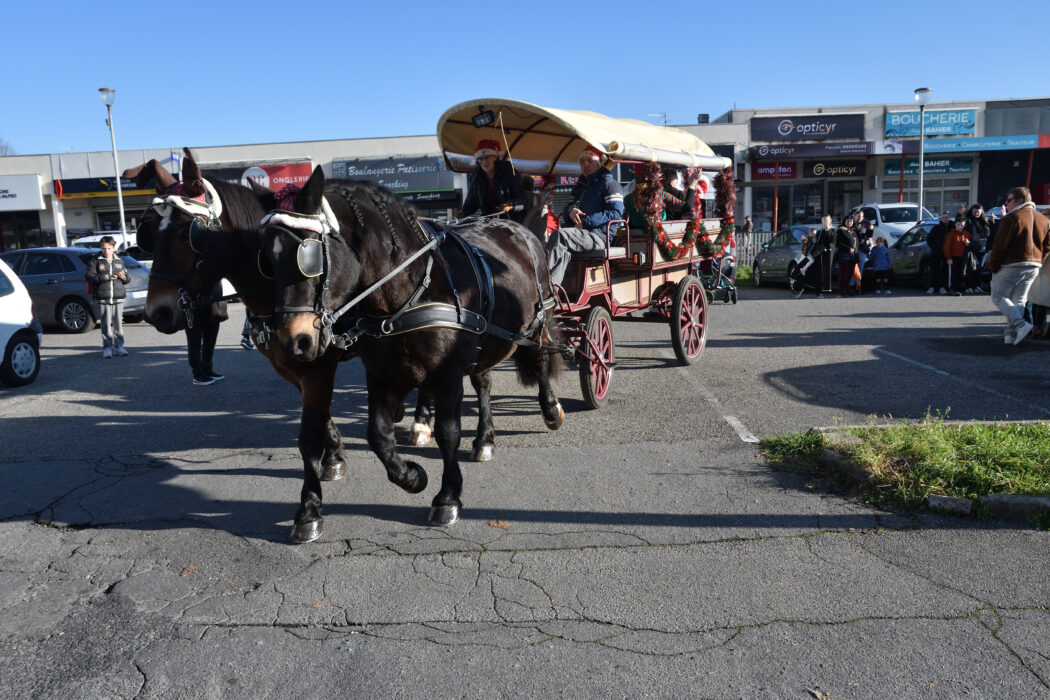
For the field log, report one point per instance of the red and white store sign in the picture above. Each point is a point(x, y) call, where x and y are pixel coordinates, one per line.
point(768, 170)
point(277, 176)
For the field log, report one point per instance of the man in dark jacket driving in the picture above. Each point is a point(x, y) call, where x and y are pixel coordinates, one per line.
point(597, 199)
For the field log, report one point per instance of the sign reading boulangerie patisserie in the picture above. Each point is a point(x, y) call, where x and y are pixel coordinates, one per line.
point(808, 127)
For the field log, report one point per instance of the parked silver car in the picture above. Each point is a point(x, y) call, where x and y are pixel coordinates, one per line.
point(20, 332)
point(56, 283)
point(779, 257)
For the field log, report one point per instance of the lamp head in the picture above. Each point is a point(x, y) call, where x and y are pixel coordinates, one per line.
point(922, 95)
point(107, 95)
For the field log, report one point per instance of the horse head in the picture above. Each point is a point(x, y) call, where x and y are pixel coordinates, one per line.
point(296, 250)
point(180, 228)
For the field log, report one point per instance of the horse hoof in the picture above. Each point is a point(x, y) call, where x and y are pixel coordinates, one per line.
point(482, 453)
point(306, 532)
point(556, 423)
point(420, 435)
point(415, 479)
point(447, 514)
point(333, 472)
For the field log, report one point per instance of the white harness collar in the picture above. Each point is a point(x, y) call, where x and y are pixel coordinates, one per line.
point(321, 223)
point(210, 208)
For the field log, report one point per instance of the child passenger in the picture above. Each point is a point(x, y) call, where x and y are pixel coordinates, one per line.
point(882, 264)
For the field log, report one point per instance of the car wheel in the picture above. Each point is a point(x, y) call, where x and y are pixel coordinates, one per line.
point(133, 318)
point(74, 316)
point(21, 361)
point(756, 274)
point(925, 275)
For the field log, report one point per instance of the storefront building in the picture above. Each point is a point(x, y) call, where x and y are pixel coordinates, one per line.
point(792, 166)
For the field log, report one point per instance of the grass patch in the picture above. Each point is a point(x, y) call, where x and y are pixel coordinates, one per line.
point(745, 276)
point(798, 452)
point(910, 461)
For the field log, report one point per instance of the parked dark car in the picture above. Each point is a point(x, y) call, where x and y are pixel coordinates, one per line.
point(780, 256)
point(56, 283)
point(911, 257)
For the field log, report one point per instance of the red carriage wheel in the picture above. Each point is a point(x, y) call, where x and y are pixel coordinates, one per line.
point(596, 359)
point(689, 320)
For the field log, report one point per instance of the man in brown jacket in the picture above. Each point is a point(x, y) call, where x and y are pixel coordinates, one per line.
point(1017, 255)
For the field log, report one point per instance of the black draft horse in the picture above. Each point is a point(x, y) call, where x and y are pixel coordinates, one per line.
point(185, 269)
point(427, 325)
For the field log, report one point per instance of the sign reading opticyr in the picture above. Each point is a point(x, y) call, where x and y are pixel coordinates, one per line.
point(835, 168)
point(20, 193)
point(812, 150)
point(808, 127)
point(774, 171)
point(937, 121)
point(86, 187)
point(402, 175)
point(938, 165)
point(273, 177)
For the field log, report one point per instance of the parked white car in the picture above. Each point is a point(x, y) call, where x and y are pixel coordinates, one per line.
point(20, 331)
point(892, 220)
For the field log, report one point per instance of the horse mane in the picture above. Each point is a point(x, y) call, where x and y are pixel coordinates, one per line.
point(394, 212)
point(240, 203)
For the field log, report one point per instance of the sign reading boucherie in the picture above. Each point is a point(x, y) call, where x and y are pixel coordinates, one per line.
point(808, 127)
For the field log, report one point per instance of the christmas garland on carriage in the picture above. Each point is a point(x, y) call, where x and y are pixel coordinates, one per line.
point(648, 194)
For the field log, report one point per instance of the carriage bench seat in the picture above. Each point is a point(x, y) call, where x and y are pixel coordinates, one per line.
point(615, 252)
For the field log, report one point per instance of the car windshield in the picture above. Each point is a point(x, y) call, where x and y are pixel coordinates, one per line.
point(900, 215)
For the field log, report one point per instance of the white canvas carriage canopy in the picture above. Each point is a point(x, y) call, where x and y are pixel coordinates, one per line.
point(543, 141)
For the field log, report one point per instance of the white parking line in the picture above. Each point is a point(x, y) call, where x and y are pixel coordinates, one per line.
point(964, 382)
point(735, 423)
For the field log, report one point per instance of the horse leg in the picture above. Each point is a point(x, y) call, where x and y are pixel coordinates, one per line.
point(485, 441)
point(382, 406)
point(423, 423)
point(317, 402)
point(553, 414)
point(448, 404)
point(333, 462)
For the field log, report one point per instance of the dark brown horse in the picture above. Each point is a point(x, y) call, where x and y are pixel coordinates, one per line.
point(424, 315)
point(189, 231)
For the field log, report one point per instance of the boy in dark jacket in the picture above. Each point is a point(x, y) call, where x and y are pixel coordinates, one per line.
point(938, 267)
point(107, 277)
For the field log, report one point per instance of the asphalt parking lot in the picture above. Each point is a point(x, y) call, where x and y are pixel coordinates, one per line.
point(644, 549)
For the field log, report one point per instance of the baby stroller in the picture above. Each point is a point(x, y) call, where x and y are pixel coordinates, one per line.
point(718, 274)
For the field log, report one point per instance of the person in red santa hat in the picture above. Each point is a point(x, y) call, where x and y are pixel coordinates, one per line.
point(493, 187)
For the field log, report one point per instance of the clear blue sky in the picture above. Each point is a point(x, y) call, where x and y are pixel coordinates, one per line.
point(256, 72)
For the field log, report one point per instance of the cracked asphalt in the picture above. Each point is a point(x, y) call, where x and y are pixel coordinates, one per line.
point(644, 549)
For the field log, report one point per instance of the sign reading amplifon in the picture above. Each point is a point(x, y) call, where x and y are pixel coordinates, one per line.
point(401, 175)
point(273, 176)
point(937, 121)
point(808, 127)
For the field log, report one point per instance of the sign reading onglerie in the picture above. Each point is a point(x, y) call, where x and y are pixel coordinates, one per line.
point(273, 176)
point(808, 127)
point(940, 121)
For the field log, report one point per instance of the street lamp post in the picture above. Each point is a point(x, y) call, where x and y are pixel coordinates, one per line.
point(108, 95)
point(922, 96)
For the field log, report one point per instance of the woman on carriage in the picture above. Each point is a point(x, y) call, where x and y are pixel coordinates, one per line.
point(493, 187)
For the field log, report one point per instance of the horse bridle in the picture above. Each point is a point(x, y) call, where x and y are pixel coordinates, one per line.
point(204, 219)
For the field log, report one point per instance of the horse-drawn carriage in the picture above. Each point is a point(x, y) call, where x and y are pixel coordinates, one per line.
point(641, 274)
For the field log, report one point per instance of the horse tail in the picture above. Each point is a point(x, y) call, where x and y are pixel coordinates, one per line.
point(536, 363)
